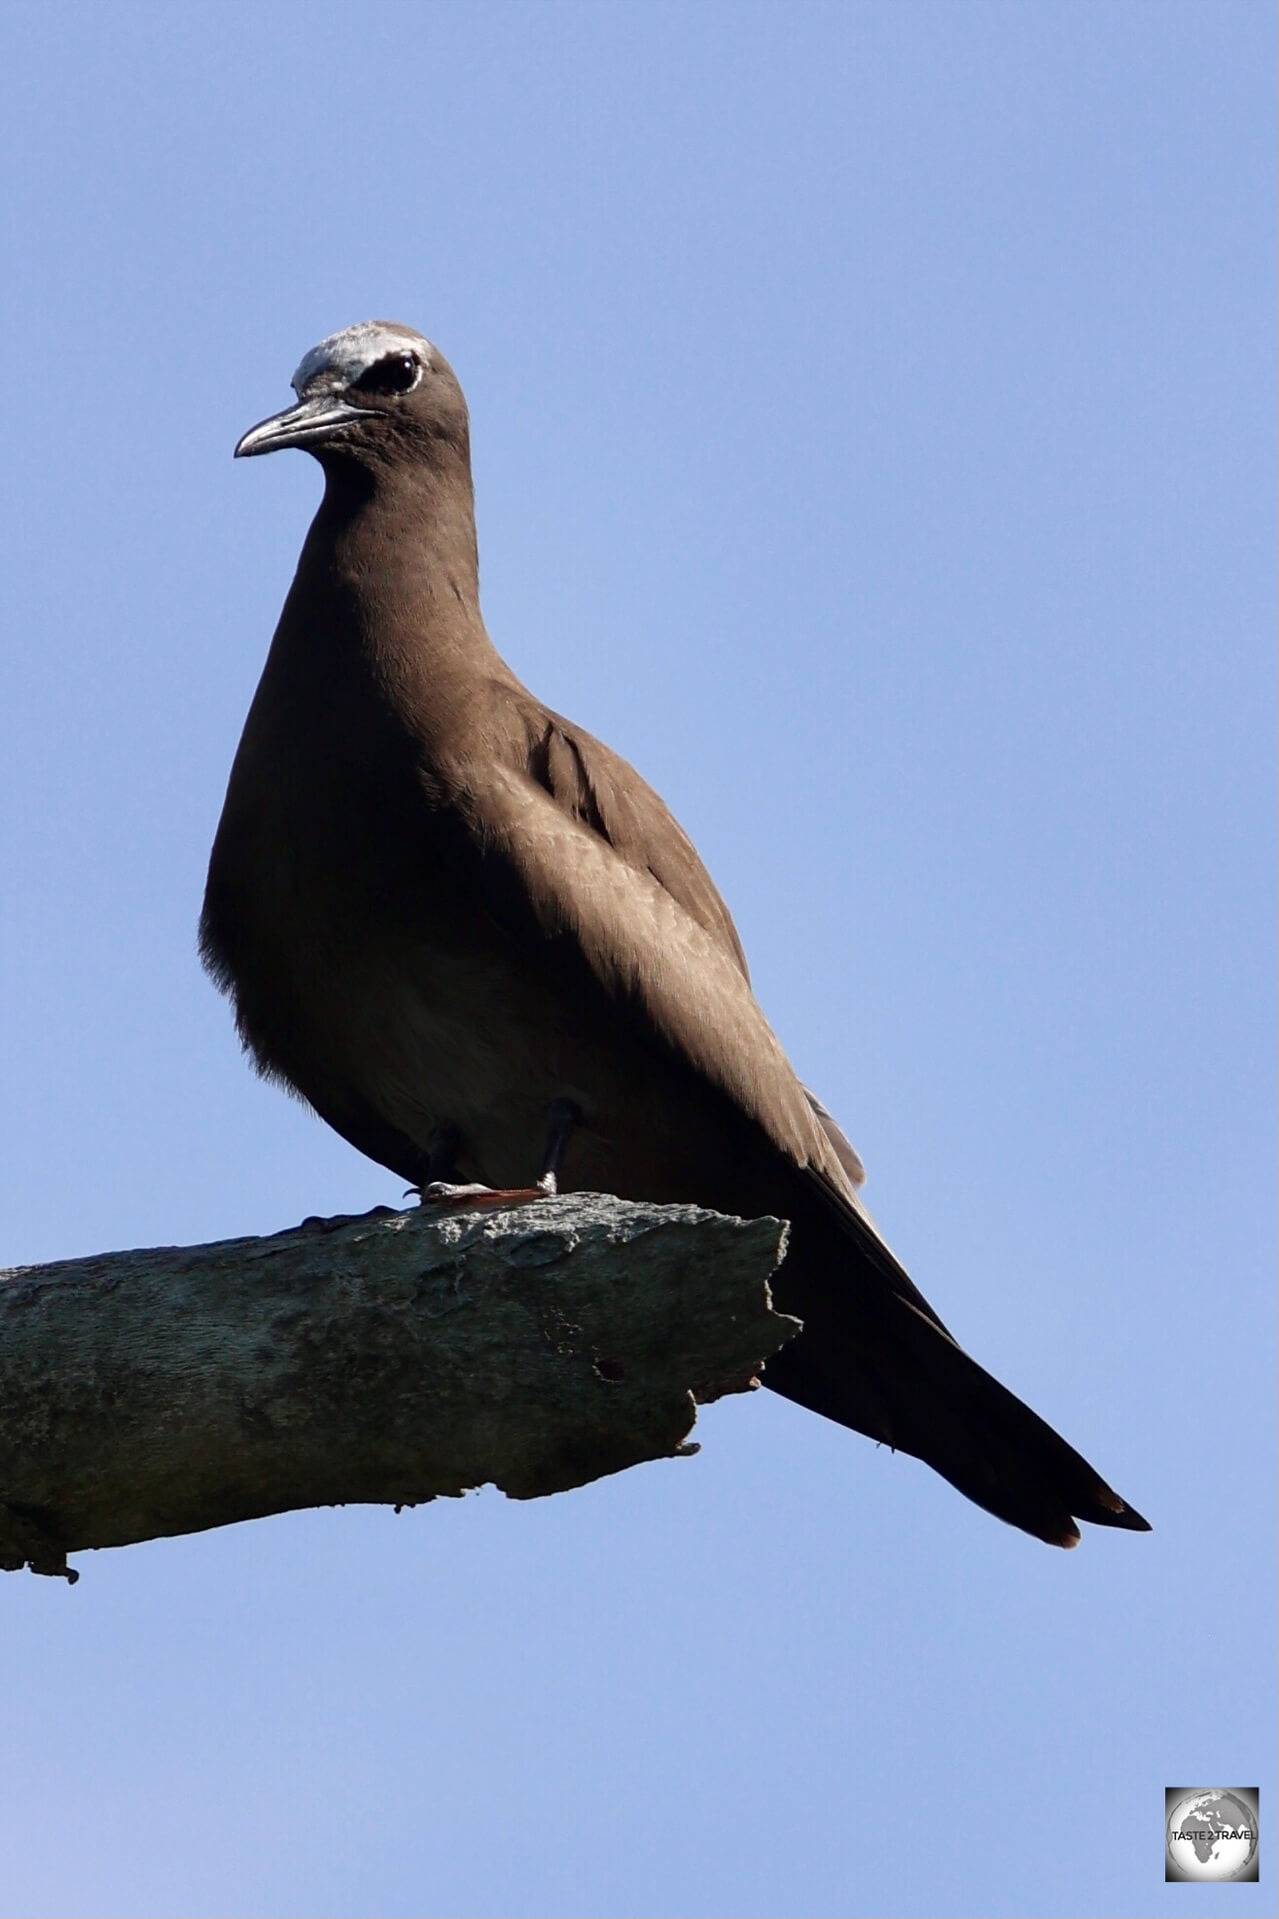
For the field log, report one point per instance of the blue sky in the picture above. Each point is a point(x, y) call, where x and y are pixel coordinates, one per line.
point(873, 414)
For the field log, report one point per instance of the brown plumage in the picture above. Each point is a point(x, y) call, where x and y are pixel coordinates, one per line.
point(443, 911)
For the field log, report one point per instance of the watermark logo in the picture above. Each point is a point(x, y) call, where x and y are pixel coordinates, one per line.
point(1210, 1832)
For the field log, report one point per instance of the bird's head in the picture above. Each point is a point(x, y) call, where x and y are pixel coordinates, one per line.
point(373, 392)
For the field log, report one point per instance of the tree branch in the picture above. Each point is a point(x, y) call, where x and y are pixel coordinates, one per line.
point(387, 1359)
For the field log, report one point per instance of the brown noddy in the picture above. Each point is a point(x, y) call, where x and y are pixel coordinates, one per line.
point(479, 945)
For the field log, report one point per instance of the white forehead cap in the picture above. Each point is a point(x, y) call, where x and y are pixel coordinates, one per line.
point(350, 353)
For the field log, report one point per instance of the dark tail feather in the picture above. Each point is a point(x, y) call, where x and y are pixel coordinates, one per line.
point(874, 1359)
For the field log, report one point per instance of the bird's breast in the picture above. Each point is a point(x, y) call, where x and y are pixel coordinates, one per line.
point(381, 985)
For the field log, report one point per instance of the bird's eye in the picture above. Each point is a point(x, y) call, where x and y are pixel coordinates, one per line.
point(393, 373)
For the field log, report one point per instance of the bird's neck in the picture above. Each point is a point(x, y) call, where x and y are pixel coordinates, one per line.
point(402, 533)
point(387, 590)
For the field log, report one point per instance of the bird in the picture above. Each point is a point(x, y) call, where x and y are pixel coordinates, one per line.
point(478, 944)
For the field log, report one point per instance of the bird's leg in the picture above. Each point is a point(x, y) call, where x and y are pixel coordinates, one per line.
point(439, 1187)
point(441, 1160)
point(561, 1118)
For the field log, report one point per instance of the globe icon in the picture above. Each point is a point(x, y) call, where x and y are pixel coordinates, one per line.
point(1212, 1835)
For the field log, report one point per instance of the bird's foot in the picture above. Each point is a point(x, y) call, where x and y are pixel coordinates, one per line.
point(443, 1192)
